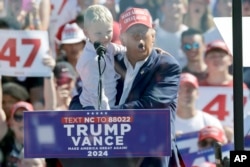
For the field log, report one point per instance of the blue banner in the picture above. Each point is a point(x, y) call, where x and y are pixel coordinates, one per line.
point(247, 142)
point(187, 142)
point(97, 134)
point(206, 155)
point(192, 140)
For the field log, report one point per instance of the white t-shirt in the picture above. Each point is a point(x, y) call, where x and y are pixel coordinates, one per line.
point(171, 42)
point(212, 35)
point(62, 12)
point(199, 121)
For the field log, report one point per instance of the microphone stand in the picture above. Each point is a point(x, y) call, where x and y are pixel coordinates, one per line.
point(100, 50)
point(218, 154)
point(99, 83)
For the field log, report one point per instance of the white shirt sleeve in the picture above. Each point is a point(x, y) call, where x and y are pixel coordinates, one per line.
point(118, 48)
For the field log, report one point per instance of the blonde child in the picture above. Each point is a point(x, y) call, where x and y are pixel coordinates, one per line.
point(98, 27)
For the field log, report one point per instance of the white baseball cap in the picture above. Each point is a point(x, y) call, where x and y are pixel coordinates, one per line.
point(72, 33)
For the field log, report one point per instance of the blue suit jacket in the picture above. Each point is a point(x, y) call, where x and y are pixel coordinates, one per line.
point(155, 87)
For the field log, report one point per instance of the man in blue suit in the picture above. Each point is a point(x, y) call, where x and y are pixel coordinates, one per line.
point(149, 80)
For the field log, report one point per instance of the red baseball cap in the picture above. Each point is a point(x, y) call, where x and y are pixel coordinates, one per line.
point(212, 132)
point(116, 33)
point(21, 104)
point(189, 78)
point(134, 16)
point(217, 45)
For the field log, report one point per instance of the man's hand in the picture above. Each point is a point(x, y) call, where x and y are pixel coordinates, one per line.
point(49, 61)
point(161, 51)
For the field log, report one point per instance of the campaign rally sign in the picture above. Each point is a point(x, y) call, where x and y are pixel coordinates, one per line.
point(224, 25)
point(247, 142)
point(21, 53)
point(218, 101)
point(187, 142)
point(206, 155)
point(97, 134)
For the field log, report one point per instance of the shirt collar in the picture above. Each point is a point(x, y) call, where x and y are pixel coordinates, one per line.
point(137, 65)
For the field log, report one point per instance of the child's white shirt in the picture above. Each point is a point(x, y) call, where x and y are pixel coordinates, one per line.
point(88, 70)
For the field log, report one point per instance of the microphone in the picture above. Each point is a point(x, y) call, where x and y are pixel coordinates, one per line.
point(100, 49)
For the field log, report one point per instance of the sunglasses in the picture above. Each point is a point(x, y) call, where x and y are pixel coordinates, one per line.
point(188, 47)
point(18, 118)
point(205, 143)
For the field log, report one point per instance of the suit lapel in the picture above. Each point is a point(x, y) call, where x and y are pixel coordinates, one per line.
point(146, 68)
point(121, 69)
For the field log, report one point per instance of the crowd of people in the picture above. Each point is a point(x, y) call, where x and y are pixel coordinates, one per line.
point(160, 61)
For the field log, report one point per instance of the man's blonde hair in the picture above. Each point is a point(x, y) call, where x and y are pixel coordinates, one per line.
point(97, 13)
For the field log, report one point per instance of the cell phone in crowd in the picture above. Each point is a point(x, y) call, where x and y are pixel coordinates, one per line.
point(64, 79)
point(3, 7)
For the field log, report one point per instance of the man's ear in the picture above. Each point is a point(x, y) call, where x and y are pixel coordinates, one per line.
point(122, 39)
point(153, 31)
point(153, 35)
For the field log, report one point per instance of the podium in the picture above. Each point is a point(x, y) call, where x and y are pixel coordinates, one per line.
point(97, 134)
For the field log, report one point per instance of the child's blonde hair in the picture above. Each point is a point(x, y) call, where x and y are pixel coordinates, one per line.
point(97, 13)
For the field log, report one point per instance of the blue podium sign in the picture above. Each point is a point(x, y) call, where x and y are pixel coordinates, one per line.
point(97, 134)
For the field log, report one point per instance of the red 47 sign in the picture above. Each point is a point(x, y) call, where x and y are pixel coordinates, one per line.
point(218, 101)
point(21, 53)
